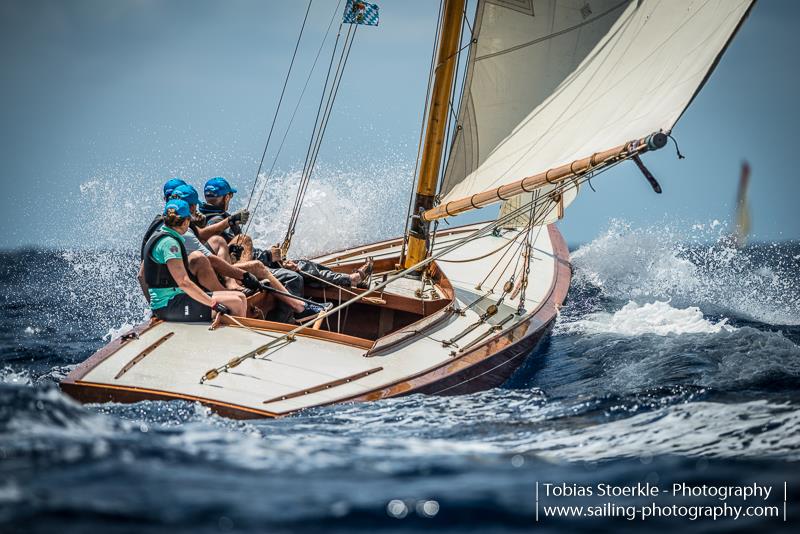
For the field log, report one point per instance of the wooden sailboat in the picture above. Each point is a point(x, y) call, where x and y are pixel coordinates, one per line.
point(554, 94)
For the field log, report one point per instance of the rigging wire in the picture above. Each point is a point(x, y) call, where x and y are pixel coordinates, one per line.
point(321, 124)
point(290, 336)
point(294, 114)
point(280, 101)
point(325, 91)
point(327, 115)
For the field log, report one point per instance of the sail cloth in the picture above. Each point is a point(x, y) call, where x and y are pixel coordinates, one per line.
point(552, 81)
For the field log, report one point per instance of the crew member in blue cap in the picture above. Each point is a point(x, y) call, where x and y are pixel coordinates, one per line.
point(207, 234)
point(200, 266)
point(170, 185)
point(173, 289)
point(218, 194)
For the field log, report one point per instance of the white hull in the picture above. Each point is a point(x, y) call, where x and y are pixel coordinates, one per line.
point(321, 367)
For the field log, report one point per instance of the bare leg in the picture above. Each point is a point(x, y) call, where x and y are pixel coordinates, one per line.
point(201, 268)
point(235, 301)
point(219, 247)
point(254, 266)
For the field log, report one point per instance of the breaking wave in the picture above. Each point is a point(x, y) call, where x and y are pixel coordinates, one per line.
point(698, 266)
point(651, 318)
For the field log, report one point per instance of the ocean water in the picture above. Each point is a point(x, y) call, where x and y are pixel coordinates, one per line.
point(675, 361)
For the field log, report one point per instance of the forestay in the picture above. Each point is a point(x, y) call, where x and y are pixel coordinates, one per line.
point(549, 82)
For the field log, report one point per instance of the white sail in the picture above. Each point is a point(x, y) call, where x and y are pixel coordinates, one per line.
point(549, 82)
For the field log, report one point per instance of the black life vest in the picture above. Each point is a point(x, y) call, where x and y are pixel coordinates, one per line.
point(157, 223)
point(212, 211)
point(217, 213)
point(157, 275)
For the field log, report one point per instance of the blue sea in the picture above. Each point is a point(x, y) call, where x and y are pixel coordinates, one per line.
point(675, 361)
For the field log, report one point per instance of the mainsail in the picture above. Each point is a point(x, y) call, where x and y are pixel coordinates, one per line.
point(550, 82)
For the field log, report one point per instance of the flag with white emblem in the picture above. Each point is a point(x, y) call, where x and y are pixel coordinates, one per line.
point(356, 12)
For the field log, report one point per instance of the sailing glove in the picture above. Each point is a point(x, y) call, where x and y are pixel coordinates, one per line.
point(220, 308)
point(199, 219)
point(250, 281)
point(240, 217)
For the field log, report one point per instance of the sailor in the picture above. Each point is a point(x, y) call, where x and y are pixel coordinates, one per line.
point(218, 194)
point(156, 223)
point(211, 246)
point(212, 268)
point(207, 234)
point(173, 290)
point(316, 274)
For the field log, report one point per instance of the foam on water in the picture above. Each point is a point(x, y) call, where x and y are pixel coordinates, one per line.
point(352, 203)
point(15, 376)
point(690, 266)
point(652, 318)
point(600, 357)
point(708, 429)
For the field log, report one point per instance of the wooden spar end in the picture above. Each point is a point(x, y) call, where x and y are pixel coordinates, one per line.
point(551, 176)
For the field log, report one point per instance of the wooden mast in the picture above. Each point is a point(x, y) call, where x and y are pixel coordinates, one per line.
point(433, 146)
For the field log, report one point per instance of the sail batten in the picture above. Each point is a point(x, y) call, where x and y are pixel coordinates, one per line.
point(552, 81)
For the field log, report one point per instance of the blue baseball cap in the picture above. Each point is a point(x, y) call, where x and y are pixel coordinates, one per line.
point(170, 186)
point(186, 192)
point(180, 206)
point(218, 187)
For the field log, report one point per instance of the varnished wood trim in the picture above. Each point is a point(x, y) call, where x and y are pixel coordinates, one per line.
point(139, 357)
point(134, 394)
point(108, 350)
point(394, 339)
point(324, 386)
point(392, 301)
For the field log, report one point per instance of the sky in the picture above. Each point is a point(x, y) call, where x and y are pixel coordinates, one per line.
point(102, 101)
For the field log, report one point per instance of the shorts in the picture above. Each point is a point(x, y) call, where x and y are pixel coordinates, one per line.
point(184, 309)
